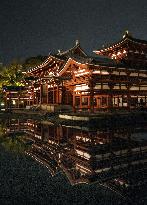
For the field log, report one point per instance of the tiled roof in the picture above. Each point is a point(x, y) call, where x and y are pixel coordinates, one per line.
point(127, 37)
point(72, 51)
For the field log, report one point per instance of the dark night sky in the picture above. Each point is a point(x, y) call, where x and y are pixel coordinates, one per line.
point(33, 27)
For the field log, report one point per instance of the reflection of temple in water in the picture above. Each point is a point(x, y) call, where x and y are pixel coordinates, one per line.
point(116, 158)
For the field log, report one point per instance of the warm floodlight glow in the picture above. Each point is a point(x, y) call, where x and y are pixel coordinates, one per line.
point(13, 102)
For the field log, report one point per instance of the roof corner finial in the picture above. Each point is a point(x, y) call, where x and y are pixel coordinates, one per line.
point(127, 34)
point(77, 42)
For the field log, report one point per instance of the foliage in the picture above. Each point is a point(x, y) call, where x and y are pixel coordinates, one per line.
point(11, 75)
point(13, 143)
point(14, 73)
point(33, 61)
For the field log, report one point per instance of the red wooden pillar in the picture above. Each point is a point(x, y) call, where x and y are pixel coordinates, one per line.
point(111, 86)
point(74, 102)
point(91, 85)
point(128, 90)
point(88, 103)
point(81, 101)
point(128, 98)
point(57, 94)
point(40, 93)
point(53, 94)
point(67, 97)
point(47, 93)
point(34, 97)
point(118, 101)
point(91, 100)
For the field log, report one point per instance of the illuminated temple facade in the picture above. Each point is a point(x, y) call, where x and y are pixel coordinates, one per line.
point(115, 79)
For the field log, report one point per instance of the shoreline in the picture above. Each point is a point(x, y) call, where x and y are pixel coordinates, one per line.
point(92, 120)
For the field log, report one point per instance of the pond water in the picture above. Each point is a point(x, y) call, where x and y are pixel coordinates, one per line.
point(43, 163)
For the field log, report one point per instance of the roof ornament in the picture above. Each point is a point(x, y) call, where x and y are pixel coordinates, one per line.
point(77, 42)
point(127, 34)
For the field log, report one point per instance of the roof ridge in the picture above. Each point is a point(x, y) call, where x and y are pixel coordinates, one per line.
point(77, 45)
point(126, 36)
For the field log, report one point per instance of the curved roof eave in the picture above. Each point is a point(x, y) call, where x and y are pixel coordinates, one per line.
point(125, 38)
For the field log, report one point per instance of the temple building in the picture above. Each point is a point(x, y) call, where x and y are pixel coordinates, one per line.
point(115, 79)
point(17, 97)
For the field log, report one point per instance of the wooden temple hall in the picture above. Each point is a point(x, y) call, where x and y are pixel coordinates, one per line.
point(115, 79)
